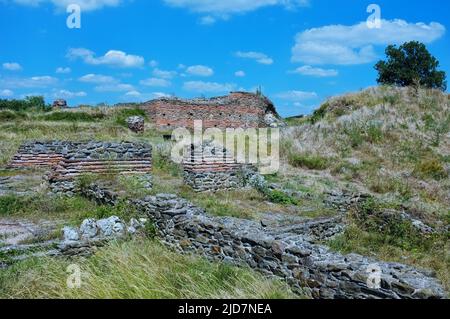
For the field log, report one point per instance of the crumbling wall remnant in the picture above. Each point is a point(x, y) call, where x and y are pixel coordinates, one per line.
point(237, 110)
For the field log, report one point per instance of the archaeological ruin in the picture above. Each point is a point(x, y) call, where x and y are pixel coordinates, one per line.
point(68, 160)
point(237, 110)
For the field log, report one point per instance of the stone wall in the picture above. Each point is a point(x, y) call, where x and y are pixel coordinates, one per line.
point(210, 167)
point(290, 252)
point(68, 160)
point(237, 110)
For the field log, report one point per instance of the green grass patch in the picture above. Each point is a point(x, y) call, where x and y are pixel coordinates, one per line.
point(122, 115)
point(310, 161)
point(431, 168)
point(138, 270)
point(72, 116)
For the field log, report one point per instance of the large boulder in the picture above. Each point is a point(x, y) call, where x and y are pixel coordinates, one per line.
point(136, 124)
point(60, 103)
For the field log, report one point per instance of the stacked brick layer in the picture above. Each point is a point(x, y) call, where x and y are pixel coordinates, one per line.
point(70, 159)
point(238, 110)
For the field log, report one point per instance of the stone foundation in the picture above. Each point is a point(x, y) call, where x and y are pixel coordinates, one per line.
point(69, 160)
point(289, 252)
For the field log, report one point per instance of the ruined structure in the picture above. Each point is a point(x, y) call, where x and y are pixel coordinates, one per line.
point(237, 110)
point(211, 167)
point(59, 104)
point(68, 160)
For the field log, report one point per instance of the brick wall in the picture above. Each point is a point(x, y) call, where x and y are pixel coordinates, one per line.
point(237, 110)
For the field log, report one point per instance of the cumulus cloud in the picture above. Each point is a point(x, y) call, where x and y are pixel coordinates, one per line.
point(259, 57)
point(164, 74)
point(133, 93)
point(65, 94)
point(355, 44)
point(12, 66)
point(208, 87)
point(117, 87)
point(239, 74)
point(6, 93)
point(296, 96)
point(97, 79)
point(62, 70)
point(214, 9)
point(316, 72)
point(86, 5)
point(200, 70)
point(156, 82)
point(113, 58)
point(29, 82)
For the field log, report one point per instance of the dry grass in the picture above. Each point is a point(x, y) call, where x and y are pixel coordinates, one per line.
point(139, 270)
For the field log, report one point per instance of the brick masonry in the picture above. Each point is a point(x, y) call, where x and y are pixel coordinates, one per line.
point(237, 110)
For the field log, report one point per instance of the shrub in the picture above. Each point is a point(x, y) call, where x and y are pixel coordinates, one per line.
point(73, 117)
point(319, 114)
point(30, 102)
point(123, 114)
point(8, 115)
point(10, 204)
point(279, 197)
point(431, 168)
point(315, 162)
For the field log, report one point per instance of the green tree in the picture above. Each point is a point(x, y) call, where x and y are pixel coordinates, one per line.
point(411, 64)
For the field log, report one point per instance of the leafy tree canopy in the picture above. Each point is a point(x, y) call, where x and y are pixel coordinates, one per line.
point(411, 64)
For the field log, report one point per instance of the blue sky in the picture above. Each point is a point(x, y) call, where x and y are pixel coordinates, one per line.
point(299, 51)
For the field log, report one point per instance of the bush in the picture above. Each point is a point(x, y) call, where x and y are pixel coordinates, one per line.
point(278, 197)
point(123, 114)
point(319, 114)
point(73, 117)
point(8, 115)
point(431, 168)
point(30, 102)
point(315, 162)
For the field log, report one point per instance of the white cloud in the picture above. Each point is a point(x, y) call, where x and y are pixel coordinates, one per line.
point(30, 82)
point(200, 70)
point(133, 93)
point(164, 74)
point(6, 93)
point(65, 94)
point(119, 87)
point(156, 82)
point(153, 63)
point(158, 95)
point(224, 9)
point(111, 58)
point(62, 70)
point(208, 87)
point(98, 79)
point(12, 66)
point(86, 5)
point(317, 72)
point(355, 44)
point(239, 74)
point(296, 96)
point(208, 20)
point(259, 57)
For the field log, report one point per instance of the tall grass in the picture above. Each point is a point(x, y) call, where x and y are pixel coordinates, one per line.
point(140, 270)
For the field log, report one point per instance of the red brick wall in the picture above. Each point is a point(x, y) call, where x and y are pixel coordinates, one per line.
point(235, 111)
